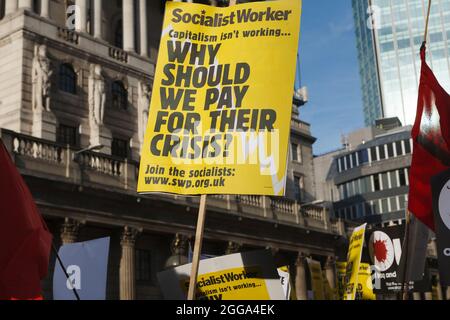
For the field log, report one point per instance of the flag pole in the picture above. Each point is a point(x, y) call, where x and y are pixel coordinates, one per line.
point(65, 272)
point(405, 280)
point(427, 21)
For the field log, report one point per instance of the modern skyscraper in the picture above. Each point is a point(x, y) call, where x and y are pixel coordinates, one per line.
point(389, 35)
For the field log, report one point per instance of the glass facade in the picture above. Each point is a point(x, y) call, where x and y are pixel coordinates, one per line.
point(367, 63)
point(398, 33)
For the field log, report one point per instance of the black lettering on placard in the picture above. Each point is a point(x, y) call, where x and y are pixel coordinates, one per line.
point(179, 122)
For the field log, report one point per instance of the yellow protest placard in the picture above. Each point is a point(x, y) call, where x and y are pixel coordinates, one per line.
point(232, 284)
point(222, 100)
point(315, 270)
point(364, 289)
point(242, 276)
point(353, 262)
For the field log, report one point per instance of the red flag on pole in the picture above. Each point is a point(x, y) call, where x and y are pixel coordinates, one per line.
point(25, 242)
point(431, 138)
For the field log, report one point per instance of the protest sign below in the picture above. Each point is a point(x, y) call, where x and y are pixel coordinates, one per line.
point(364, 290)
point(221, 104)
point(353, 262)
point(87, 266)
point(385, 251)
point(440, 185)
point(242, 276)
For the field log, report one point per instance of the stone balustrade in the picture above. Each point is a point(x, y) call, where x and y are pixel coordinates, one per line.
point(101, 163)
point(118, 54)
point(38, 149)
point(68, 35)
point(111, 172)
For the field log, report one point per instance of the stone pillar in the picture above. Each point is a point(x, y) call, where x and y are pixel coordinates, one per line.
point(330, 271)
point(143, 27)
point(69, 231)
point(439, 292)
point(26, 4)
point(300, 278)
point(417, 296)
point(45, 9)
point(232, 248)
point(81, 16)
point(127, 264)
point(98, 19)
point(128, 25)
point(428, 296)
point(11, 6)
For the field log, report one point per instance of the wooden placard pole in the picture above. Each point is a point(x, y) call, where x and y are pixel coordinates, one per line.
point(197, 248)
point(199, 237)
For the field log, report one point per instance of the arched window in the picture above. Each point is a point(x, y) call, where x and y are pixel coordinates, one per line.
point(118, 35)
point(119, 95)
point(67, 78)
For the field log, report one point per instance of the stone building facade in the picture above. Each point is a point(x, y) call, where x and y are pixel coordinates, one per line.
point(64, 90)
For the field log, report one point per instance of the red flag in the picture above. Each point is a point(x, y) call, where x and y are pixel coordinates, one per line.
point(24, 239)
point(431, 137)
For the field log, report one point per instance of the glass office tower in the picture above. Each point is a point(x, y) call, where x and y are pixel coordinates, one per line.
point(388, 50)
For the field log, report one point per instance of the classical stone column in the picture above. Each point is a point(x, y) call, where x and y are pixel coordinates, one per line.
point(69, 231)
point(81, 18)
point(440, 294)
point(45, 9)
point(300, 278)
point(330, 271)
point(127, 264)
point(128, 25)
point(11, 6)
point(98, 19)
point(26, 4)
point(143, 27)
point(232, 248)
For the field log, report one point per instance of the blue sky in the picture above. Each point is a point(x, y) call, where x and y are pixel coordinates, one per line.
point(329, 68)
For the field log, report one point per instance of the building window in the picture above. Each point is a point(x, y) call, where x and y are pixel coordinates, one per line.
point(67, 135)
point(299, 182)
point(376, 182)
point(143, 266)
point(398, 148)
point(394, 180)
point(119, 148)
point(118, 35)
point(347, 163)
point(354, 160)
point(385, 181)
point(363, 156)
point(67, 79)
point(119, 95)
point(339, 161)
point(382, 152)
point(297, 155)
point(393, 202)
point(35, 6)
point(402, 178)
point(384, 206)
point(373, 154)
point(390, 148)
point(407, 146)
